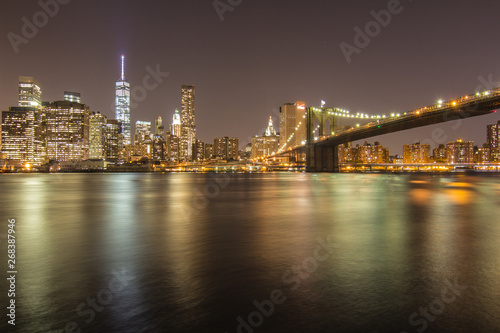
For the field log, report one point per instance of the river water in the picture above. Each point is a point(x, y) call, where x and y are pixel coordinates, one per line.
point(275, 252)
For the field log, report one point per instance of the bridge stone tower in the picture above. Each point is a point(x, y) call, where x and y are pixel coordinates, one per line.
point(318, 158)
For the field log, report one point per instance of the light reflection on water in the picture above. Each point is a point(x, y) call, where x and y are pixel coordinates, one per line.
point(199, 264)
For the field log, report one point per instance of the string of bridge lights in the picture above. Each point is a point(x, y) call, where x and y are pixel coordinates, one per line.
point(348, 115)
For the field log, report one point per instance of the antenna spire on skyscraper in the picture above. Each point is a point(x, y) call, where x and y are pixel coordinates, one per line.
point(123, 68)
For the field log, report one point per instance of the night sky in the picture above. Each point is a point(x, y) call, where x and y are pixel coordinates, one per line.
point(263, 54)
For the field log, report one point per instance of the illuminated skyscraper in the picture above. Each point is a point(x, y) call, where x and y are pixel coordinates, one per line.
point(188, 123)
point(30, 92)
point(176, 124)
point(292, 116)
point(122, 104)
point(97, 129)
point(18, 134)
point(265, 145)
point(494, 135)
point(113, 138)
point(67, 134)
point(142, 131)
point(72, 97)
point(159, 128)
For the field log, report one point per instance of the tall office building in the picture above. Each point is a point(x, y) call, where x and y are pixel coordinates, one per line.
point(176, 124)
point(122, 104)
point(67, 131)
point(159, 128)
point(23, 130)
point(188, 122)
point(292, 125)
point(113, 139)
point(416, 153)
point(30, 92)
point(142, 131)
point(18, 134)
point(460, 152)
point(72, 97)
point(494, 135)
point(97, 132)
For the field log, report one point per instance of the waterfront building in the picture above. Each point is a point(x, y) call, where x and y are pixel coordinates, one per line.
point(158, 148)
point(416, 153)
point(292, 117)
point(67, 131)
point(113, 141)
point(460, 152)
point(172, 145)
point(198, 151)
point(439, 154)
point(97, 132)
point(482, 154)
point(18, 134)
point(226, 149)
point(122, 104)
point(364, 154)
point(208, 151)
point(188, 122)
point(493, 135)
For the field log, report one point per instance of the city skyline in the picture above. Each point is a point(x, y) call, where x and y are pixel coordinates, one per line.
point(257, 84)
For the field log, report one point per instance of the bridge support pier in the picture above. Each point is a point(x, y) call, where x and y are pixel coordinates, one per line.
point(322, 159)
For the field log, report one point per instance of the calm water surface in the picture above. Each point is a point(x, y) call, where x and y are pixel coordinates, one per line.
point(199, 253)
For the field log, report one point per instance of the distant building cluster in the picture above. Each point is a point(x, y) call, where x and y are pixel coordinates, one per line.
point(37, 133)
point(457, 152)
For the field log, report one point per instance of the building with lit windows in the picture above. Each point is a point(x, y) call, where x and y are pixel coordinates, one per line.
point(67, 131)
point(198, 151)
point(364, 154)
point(292, 125)
point(158, 151)
point(113, 141)
point(18, 134)
point(267, 144)
point(176, 124)
point(159, 128)
point(188, 122)
point(226, 149)
point(122, 104)
point(30, 92)
point(97, 133)
point(142, 131)
point(493, 135)
point(416, 153)
point(482, 154)
point(439, 154)
point(172, 147)
point(72, 97)
point(209, 148)
point(460, 152)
